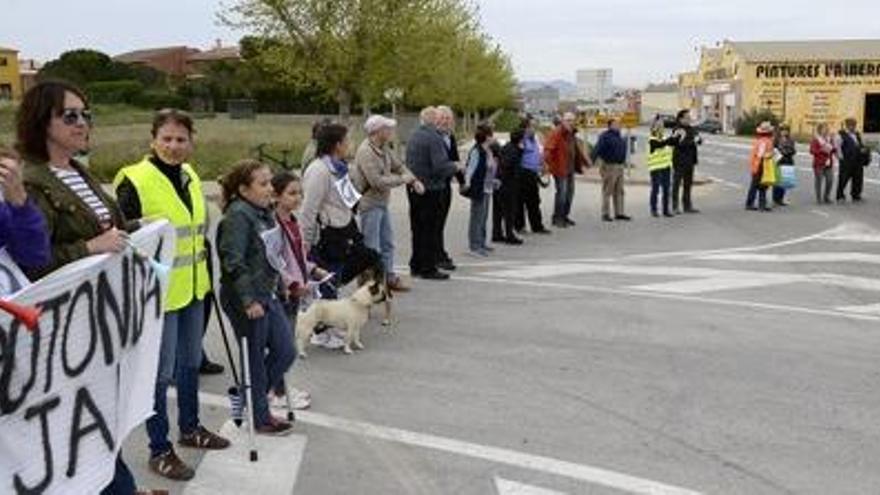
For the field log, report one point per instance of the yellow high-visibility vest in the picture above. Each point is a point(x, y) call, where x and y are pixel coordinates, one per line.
point(661, 158)
point(189, 276)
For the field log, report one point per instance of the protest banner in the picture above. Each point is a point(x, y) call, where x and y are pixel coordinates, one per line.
point(75, 387)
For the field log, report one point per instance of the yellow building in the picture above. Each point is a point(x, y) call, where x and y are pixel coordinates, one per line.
point(802, 82)
point(10, 78)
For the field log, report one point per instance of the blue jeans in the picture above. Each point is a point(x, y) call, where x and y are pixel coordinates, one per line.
point(271, 350)
point(123, 481)
point(778, 194)
point(179, 360)
point(477, 225)
point(379, 236)
point(564, 197)
point(660, 183)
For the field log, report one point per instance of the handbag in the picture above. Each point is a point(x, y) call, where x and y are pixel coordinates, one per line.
point(336, 243)
point(768, 172)
point(787, 176)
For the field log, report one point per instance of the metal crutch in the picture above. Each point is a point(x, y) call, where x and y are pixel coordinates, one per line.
point(246, 383)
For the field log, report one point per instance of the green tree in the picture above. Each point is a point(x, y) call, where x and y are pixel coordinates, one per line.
point(356, 49)
point(86, 66)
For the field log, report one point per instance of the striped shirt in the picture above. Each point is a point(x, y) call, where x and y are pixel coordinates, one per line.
point(75, 182)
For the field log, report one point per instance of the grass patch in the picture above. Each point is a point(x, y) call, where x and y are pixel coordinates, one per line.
point(122, 136)
point(219, 143)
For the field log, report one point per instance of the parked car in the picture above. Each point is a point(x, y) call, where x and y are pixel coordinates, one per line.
point(710, 126)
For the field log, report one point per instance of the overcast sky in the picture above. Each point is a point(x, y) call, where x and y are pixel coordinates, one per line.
point(642, 40)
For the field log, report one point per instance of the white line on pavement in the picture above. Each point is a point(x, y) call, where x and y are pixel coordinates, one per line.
point(564, 269)
point(507, 487)
point(726, 183)
point(700, 280)
point(867, 309)
point(823, 214)
point(829, 257)
point(670, 297)
point(758, 247)
point(848, 232)
point(230, 472)
point(509, 457)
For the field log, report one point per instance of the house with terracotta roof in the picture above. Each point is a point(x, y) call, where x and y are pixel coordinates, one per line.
point(180, 61)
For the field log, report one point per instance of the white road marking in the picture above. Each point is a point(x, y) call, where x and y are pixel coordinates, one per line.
point(727, 183)
point(716, 284)
point(758, 247)
point(642, 294)
point(581, 472)
point(823, 214)
point(829, 257)
point(867, 309)
point(846, 232)
point(507, 487)
point(564, 269)
point(230, 471)
point(852, 232)
point(701, 280)
point(713, 160)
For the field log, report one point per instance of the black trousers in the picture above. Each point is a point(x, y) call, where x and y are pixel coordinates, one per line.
point(529, 202)
point(682, 179)
point(504, 203)
point(425, 222)
point(850, 173)
point(445, 206)
point(343, 252)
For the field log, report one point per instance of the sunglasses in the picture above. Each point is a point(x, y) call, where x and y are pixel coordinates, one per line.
point(72, 116)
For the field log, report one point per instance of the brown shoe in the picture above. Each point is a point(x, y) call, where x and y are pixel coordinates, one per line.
point(203, 439)
point(170, 466)
point(275, 427)
point(397, 285)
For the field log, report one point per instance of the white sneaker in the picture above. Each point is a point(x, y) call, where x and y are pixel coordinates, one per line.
point(300, 403)
point(295, 392)
point(335, 342)
point(299, 400)
point(327, 340)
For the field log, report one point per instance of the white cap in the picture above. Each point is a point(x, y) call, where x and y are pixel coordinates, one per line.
point(376, 123)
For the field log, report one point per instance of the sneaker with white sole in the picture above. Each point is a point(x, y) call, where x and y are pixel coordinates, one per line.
point(327, 340)
point(299, 400)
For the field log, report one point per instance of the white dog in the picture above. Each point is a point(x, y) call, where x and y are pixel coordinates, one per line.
point(350, 314)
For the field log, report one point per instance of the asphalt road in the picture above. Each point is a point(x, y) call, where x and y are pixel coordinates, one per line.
point(726, 352)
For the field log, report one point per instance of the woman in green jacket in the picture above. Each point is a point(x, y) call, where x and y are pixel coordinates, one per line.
point(52, 127)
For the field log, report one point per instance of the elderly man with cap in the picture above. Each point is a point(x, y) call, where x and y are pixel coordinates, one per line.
point(375, 172)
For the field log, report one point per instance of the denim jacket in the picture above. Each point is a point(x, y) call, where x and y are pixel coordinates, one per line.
point(245, 270)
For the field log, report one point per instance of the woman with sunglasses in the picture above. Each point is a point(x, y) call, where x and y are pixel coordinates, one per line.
point(53, 125)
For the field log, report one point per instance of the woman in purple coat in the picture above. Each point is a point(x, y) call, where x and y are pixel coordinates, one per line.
point(22, 227)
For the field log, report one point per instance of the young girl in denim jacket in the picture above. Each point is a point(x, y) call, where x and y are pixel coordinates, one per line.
point(250, 250)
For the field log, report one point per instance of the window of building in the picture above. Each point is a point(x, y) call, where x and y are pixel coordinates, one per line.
point(5, 92)
point(872, 112)
point(3, 62)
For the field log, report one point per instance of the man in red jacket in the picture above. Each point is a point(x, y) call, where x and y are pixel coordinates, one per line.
point(564, 157)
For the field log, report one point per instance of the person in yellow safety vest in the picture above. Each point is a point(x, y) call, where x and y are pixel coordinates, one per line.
point(164, 186)
point(660, 150)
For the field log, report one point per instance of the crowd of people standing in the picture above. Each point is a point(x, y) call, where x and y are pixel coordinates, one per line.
point(332, 224)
